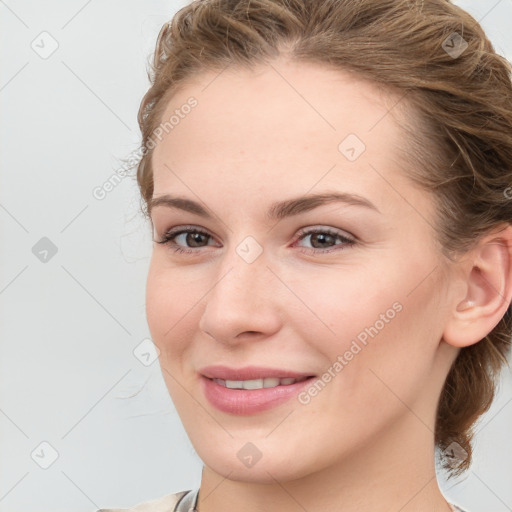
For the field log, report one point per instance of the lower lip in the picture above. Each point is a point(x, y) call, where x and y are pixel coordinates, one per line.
point(244, 401)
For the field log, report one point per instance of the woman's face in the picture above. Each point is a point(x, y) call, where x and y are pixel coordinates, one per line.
point(351, 291)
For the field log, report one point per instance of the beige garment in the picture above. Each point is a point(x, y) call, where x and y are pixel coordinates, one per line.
point(164, 504)
point(168, 504)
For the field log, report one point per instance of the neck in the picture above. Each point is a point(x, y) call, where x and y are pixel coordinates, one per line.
point(395, 472)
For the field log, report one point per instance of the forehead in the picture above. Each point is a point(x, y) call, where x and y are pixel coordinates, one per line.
point(284, 124)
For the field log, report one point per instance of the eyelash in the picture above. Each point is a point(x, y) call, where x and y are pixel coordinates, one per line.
point(170, 235)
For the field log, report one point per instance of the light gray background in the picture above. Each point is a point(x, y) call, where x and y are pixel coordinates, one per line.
point(69, 326)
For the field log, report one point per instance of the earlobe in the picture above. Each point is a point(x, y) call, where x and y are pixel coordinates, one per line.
point(487, 290)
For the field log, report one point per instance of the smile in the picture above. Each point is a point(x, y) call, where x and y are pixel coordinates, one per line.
point(268, 382)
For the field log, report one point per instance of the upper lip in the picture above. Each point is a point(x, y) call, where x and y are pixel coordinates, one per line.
point(248, 373)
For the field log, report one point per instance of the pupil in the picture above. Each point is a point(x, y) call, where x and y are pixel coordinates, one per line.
point(196, 237)
point(323, 237)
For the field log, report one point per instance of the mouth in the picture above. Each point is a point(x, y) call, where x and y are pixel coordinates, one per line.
point(248, 374)
point(263, 383)
point(252, 396)
point(251, 389)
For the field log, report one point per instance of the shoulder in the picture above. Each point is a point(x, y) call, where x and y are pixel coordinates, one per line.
point(165, 503)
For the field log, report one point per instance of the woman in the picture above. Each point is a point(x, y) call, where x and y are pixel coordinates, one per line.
point(329, 290)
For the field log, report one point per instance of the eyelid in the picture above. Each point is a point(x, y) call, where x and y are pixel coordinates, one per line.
point(327, 229)
point(183, 228)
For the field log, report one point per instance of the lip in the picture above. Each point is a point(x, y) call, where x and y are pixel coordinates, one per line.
point(244, 402)
point(248, 373)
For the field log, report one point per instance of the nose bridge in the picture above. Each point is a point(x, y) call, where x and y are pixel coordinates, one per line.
point(241, 282)
point(241, 297)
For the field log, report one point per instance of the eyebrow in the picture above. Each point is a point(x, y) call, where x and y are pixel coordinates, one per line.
point(277, 211)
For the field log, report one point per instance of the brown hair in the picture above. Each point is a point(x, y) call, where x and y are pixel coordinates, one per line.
point(459, 138)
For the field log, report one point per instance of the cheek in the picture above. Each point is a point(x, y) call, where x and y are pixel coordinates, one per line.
point(170, 301)
point(371, 319)
point(341, 305)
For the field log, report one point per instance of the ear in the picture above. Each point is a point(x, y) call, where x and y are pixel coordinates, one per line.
point(485, 292)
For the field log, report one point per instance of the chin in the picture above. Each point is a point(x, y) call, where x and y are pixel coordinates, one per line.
point(236, 464)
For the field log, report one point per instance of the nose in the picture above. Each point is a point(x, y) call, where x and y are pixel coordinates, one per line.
point(243, 301)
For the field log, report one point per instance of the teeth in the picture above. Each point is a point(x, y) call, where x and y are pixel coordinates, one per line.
point(268, 382)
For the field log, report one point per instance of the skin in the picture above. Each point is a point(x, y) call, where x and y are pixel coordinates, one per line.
point(366, 441)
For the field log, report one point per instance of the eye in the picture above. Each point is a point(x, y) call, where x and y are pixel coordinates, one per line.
point(189, 235)
point(325, 238)
point(194, 238)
